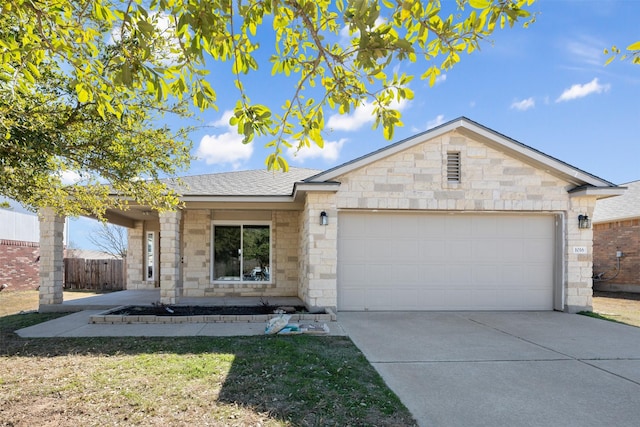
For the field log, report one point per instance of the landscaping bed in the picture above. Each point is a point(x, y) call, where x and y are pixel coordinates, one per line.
point(206, 314)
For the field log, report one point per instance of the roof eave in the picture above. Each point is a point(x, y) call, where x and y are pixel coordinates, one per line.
point(599, 192)
point(300, 188)
point(476, 130)
point(615, 219)
point(238, 199)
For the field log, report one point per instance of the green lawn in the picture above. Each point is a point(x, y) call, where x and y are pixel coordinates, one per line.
point(241, 381)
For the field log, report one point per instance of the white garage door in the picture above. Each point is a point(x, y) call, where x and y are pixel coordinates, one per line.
point(401, 261)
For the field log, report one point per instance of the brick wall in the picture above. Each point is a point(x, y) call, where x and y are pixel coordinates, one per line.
point(617, 236)
point(19, 265)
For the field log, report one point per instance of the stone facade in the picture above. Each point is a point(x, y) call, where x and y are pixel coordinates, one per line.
point(194, 237)
point(496, 176)
point(51, 258)
point(491, 181)
point(609, 238)
point(318, 256)
point(20, 263)
point(170, 257)
point(135, 258)
point(196, 252)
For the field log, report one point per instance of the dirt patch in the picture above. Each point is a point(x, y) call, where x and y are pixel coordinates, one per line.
point(179, 310)
point(620, 306)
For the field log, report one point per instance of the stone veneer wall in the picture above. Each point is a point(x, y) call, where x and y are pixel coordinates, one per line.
point(51, 257)
point(285, 241)
point(135, 258)
point(196, 252)
point(579, 267)
point(318, 256)
point(197, 258)
point(19, 265)
point(170, 257)
point(415, 179)
point(609, 238)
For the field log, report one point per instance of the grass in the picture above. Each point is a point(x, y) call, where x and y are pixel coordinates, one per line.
point(600, 316)
point(238, 381)
point(621, 307)
point(12, 302)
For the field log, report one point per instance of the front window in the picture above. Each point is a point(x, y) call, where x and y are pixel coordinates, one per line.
point(151, 253)
point(241, 252)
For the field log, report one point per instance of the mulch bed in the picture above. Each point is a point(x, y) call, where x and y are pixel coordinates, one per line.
point(139, 310)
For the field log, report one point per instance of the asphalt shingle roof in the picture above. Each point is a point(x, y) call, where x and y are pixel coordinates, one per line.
point(622, 207)
point(259, 182)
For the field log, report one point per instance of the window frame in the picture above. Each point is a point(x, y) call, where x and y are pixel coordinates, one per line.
point(151, 234)
point(241, 224)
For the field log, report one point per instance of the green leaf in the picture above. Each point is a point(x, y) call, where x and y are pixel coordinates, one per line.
point(634, 46)
point(479, 4)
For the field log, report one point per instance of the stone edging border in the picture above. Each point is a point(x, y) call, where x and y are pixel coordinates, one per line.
point(106, 318)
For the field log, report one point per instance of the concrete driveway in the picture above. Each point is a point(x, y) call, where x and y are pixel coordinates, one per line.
point(504, 369)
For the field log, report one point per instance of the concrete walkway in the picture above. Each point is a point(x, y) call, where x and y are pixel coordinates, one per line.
point(77, 324)
point(504, 369)
point(454, 369)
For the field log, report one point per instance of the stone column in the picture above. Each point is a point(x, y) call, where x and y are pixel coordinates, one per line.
point(170, 243)
point(51, 257)
point(135, 257)
point(579, 287)
point(319, 252)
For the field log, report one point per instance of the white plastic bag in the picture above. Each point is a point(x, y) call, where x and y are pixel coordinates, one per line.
point(277, 323)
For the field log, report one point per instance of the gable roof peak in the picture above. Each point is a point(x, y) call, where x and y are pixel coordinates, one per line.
point(481, 133)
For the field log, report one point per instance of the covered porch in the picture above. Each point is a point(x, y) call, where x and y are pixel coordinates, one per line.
point(150, 296)
point(261, 241)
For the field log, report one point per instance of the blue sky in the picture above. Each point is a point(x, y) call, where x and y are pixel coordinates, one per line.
point(545, 86)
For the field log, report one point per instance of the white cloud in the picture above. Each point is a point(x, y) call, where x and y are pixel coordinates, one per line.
point(580, 91)
point(345, 37)
point(225, 148)
point(441, 79)
point(586, 49)
point(435, 122)
point(523, 105)
point(330, 152)
point(69, 177)
point(361, 116)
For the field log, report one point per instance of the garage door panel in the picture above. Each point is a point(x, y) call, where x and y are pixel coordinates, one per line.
point(377, 249)
point(432, 251)
point(459, 250)
point(445, 262)
point(353, 273)
point(433, 228)
point(458, 226)
point(536, 250)
point(409, 249)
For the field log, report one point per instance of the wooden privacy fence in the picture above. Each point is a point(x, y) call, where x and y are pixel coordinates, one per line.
point(94, 274)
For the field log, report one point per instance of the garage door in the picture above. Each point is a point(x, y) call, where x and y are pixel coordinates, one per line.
point(402, 261)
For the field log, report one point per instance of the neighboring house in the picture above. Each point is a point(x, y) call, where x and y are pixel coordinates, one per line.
point(616, 241)
point(456, 218)
point(19, 250)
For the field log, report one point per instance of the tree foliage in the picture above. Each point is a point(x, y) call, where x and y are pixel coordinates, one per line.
point(83, 82)
point(632, 52)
